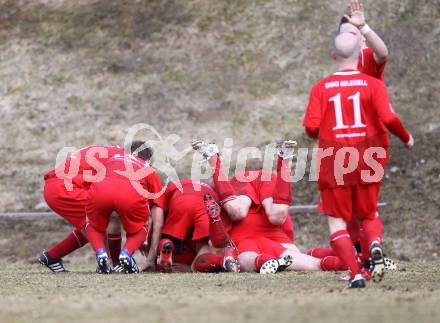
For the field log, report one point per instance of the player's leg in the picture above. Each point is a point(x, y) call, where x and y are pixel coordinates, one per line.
point(70, 206)
point(366, 208)
point(210, 259)
point(276, 202)
point(207, 259)
point(99, 209)
point(134, 212)
point(218, 235)
point(134, 240)
point(235, 204)
point(260, 255)
point(114, 238)
point(342, 245)
point(222, 185)
point(96, 237)
point(306, 262)
point(337, 204)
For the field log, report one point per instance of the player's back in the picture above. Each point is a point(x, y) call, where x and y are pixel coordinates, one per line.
point(90, 158)
point(128, 167)
point(186, 187)
point(349, 116)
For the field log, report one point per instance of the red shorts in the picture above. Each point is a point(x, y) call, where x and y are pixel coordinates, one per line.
point(187, 217)
point(344, 202)
point(71, 205)
point(261, 245)
point(256, 224)
point(119, 196)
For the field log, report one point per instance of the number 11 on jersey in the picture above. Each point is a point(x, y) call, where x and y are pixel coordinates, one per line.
point(356, 98)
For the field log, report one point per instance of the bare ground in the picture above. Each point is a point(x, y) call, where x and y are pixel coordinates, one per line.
point(31, 293)
point(82, 72)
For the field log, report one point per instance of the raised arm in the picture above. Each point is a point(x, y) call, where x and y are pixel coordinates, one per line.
point(357, 18)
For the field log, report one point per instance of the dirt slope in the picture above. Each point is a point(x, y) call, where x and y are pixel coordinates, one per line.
point(81, 72)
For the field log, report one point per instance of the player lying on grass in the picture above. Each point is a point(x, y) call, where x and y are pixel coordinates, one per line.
point(371, 61)
point(257, 203)
point(349, 113)
point(129, 188)
point(201, 238)
point(66, 193)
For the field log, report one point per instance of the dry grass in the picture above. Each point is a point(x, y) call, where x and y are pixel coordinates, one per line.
point(30, 293)
point(76, 73)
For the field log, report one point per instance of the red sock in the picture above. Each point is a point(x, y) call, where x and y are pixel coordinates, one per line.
point(73, 241)
point(208, 262)
point(371, 231)
point(135, 240)
point(161, 243)
point(353, 229)
point(343, 247)
point(218, 235)
point(96, 238)
point(261, 259)
point(321, 252)
point(221, 182)
point(282, 193)
point(114, 245)
point(332, 263)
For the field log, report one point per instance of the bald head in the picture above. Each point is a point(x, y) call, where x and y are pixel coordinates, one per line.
point(347, 46)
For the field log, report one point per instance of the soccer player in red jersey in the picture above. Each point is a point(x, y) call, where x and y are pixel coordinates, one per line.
point(257, 202)
point(372, 61)
point(193, 224)
point(349, 113)
point(66, 193)
point(130, 188)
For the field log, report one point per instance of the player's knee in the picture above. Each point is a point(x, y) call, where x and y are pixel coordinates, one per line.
point(247, 261)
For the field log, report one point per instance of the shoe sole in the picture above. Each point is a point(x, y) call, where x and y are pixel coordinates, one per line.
point(273, 266)
point(378, 271)
point(390, 264)
point(284, 262)
point(269, 267)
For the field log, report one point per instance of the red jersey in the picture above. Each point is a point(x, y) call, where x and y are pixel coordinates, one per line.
point(190, 187)
point(350, 109)
point(367, 64)
point(187, 217)
point(138, 172)
point(259, 185)
point(84, 165)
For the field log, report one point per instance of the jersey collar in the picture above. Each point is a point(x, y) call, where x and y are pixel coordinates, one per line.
point(347, 72)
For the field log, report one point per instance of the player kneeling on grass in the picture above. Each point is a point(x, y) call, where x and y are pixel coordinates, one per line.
point(349, 112)
point(129, 188)
point(257, 203)
point(66, 193)
point(195, 227)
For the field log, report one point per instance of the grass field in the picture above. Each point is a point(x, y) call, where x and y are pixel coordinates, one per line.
point(31, 293)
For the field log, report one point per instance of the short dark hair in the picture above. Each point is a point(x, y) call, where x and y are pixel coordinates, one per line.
point(343, 20)
point(141, 149)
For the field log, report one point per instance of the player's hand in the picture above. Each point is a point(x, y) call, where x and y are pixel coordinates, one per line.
point(356, 17)
point(150, 265)
point(144, 249)
point(410, 142)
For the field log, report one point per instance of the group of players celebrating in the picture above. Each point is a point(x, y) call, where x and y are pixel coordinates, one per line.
point(242, 223)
